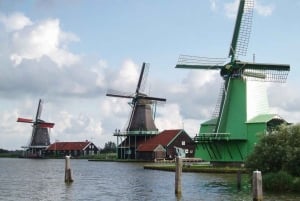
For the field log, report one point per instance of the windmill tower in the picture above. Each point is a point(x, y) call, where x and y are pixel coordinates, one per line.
point(40, 138)
point(141, 124)
point(242, 110)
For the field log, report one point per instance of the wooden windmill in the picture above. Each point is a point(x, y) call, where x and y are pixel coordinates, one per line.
point(242, 110)
point(40, 138)
point(141, 124)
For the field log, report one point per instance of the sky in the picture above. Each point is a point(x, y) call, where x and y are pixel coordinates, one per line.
point(69, 53)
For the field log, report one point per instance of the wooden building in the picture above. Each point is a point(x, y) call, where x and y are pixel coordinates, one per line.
point(162, 145)
point(151, 152)
point(75, 149)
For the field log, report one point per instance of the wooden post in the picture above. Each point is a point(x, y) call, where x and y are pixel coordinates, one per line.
point(239, 180)
point(257, 186)
point(178, 176)
point(68, 172)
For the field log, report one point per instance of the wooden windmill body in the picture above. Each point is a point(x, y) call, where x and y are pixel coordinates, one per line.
point(141, 125)
point(40, 138)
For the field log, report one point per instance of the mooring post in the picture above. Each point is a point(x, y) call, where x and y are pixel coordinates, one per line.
point(257, 186)
point(178, 176)
point(239, 180)
point(68, 172)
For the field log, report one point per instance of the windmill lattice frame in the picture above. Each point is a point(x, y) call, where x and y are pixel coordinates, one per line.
point(230, 135)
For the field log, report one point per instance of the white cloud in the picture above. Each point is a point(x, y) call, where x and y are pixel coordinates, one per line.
point(99, 70)
point(231, 9)
point(286, 105)
point(40, 39)
point(127, 78)
point(14, 22)
point(169, 117)
point(264, 10)
point(213, 5)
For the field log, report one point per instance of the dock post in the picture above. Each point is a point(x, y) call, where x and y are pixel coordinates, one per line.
point(178, 176)
point(257, 186)
point(68, 172)
point(239, 180)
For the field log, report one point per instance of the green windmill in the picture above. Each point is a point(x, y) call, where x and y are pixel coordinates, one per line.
point(242, 110)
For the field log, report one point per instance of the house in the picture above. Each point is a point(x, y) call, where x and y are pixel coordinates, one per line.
point(151, 152)
point(167, 139)
point(75, 149)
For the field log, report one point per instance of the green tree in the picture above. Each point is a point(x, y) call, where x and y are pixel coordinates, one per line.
point(277, 151)
point(109, 147)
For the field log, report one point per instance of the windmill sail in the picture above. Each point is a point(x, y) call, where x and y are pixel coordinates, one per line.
point(242, 29)
point(141, 124)
point(39, 110)
point(141, 118)
point(242, 108)
point(40, 134)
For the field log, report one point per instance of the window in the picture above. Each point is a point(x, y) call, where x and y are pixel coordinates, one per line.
point(183, 143)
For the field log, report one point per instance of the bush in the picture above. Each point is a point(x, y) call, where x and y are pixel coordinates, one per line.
point(277, 151)
point(278, 182)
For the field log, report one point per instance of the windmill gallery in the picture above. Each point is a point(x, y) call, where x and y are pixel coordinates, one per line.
point(229, 136)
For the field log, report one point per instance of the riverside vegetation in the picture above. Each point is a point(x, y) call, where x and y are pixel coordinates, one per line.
point(277, 156)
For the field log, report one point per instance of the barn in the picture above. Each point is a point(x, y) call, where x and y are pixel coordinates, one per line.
point(162, 145)
point(75, 149)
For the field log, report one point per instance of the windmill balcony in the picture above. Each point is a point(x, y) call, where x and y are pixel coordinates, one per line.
point(204, 137)
point(140, 132)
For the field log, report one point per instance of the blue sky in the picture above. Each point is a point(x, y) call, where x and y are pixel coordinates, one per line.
point(70, 52)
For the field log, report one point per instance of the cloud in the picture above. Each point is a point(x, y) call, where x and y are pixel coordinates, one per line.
point(213, 5)
point(287, 107)
point(231, 9)
point(33, 41)
point(169, 117)
point(15, 21)
point(264, 10)
point(126, 78)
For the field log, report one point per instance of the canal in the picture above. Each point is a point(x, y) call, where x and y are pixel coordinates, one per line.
point(43, 180)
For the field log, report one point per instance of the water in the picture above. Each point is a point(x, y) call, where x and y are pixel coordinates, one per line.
point(43, 180)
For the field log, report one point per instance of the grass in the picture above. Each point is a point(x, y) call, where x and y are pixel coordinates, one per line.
point(196, 168)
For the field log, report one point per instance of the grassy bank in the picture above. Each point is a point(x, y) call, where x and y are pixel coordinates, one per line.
point(196, 168)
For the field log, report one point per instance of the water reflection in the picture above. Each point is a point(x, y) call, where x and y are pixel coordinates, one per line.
point(25, 179)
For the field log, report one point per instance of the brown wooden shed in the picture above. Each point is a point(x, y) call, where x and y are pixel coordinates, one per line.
point(168, 139)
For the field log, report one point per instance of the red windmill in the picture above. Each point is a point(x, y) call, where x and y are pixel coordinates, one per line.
point(40, 138)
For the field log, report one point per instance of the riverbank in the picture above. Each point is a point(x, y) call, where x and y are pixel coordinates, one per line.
point(197, 168)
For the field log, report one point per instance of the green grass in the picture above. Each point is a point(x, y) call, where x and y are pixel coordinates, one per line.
point(196, 168)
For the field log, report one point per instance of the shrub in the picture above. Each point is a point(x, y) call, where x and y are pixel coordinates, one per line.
point(277, 151)
point(278, 182)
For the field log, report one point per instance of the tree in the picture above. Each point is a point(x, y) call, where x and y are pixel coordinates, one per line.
point(109, 147)
point(277, 151)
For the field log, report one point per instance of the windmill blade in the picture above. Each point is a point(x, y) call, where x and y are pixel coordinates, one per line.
point(265, 72)
point(144, 78)
point(140, 78)
point(39, 110)
point(195, 62)
point(242, 29)
point(46, 125)
point(222, 104)
point(24, 120)
point(154, 98)
point(254, 74)
point(119, 94)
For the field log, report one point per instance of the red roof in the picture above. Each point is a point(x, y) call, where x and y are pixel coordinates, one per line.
point(68, 146)
point(164, 138)
point(147, 147)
